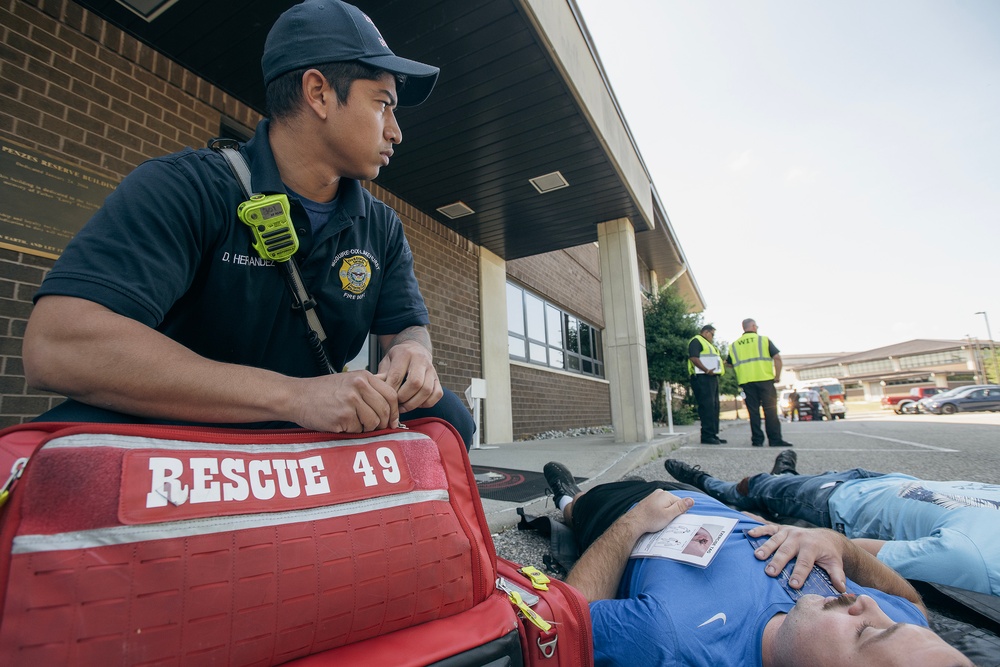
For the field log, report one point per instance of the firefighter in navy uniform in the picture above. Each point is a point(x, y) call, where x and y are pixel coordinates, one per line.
point(757, 363)
point(705, 366)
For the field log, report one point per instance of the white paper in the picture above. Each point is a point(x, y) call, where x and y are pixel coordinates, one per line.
point(690, 538)
point(711, 363)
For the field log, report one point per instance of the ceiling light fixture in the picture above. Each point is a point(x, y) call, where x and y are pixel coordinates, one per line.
point(457, 210)
point(148, 9)
point(549, 182)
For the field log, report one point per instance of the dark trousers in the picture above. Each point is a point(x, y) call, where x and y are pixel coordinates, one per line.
point(706, 393)
point(762, 395)
point(450, 408)
point(805, 497)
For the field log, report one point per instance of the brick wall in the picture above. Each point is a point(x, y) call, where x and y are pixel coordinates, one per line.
point(77, 87)
point(20, 276)
point(447, 268)
point(570, 278)
point(82, 89)
point(543, 400)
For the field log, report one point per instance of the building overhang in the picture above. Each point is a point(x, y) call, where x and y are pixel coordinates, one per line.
point(522, 94)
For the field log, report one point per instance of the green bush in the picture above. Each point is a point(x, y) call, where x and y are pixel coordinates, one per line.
point(685, 414)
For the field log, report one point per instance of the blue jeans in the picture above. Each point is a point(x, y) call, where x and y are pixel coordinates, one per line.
point(804, 497)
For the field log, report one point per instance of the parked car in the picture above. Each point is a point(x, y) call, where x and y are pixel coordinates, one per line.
point(921, 405)
point(805, 408)
point(967, 399)
point(838, 404)
point(908, 402)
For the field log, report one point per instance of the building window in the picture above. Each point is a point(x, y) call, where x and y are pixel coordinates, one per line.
point(542, 333)
point(815, 373)
point(932, 359)
point(874, 366)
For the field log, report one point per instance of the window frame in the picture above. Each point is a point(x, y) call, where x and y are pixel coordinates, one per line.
point(525, 346)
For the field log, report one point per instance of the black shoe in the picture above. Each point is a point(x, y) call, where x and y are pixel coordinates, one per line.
point(722, 440)
point(560, 480)
point(785, 462)
point(711, 441)
point(780, 443)
point(757, 444)
point(683, 472)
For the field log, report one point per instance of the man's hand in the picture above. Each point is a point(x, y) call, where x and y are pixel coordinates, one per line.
point(408, 368)
point(352, 402)
point(655, 511)
point(809, 546)
point(600, 568)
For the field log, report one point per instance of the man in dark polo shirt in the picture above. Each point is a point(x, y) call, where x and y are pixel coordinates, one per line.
point(160, 310)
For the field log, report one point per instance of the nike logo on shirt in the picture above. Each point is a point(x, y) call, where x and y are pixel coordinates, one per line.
point(718, 617)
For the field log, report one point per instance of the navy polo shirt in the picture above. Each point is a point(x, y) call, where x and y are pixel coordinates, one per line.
point(168, 250)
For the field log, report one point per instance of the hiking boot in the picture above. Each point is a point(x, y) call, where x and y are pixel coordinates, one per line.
point(560, 480)
point(683, 472)
point(785, 462)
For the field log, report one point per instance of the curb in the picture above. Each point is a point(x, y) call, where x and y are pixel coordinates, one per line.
point(501, 516)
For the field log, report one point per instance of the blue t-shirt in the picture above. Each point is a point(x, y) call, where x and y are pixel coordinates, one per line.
point(670, 613)
point(168, 250)
point(945, 532)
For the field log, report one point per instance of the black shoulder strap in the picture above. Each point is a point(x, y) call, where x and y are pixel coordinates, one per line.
point(300, 296)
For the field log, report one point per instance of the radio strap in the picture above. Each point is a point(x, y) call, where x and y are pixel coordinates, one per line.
point(300, 296)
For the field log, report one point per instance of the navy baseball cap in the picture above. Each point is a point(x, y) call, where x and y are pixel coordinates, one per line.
point(317, 32)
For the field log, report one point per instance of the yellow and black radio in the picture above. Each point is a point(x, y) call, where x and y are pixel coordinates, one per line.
point(269, 218)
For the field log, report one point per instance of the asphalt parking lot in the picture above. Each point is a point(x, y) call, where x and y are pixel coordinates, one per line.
point(961, 446)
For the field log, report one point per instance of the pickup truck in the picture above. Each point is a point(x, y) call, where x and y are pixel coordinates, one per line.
point(908, 402)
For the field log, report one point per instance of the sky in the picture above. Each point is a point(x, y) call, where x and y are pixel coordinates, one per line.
point(831, 169)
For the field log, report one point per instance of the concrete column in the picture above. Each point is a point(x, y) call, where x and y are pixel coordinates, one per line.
point(624, 334)
point(496, 360)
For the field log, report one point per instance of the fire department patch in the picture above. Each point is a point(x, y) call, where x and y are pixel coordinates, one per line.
point(355, 273)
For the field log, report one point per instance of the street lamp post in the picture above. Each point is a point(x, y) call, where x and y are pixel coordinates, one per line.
point(993, 349)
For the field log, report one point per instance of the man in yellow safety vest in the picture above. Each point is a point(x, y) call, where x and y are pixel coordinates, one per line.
point(757, 363)
point(705, 366)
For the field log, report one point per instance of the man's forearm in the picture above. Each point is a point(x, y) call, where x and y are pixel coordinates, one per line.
point(84, 351)
point(869, 571)
point(598, 572)
point(416, 334)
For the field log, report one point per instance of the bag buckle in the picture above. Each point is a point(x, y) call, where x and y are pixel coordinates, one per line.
point(548, 647)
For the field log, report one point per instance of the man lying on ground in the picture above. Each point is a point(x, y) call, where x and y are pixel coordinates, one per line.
point(942, 532)
point(735, 611)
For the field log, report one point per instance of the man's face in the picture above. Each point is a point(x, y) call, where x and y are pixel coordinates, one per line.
point(361, 133)
point(709, 335)
point(849, 630)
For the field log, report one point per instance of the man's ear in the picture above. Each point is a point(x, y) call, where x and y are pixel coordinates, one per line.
point(316, 92)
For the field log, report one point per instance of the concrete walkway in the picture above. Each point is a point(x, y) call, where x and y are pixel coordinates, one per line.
point(598, 458)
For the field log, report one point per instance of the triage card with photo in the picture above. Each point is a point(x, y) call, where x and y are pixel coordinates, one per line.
point(690, 538)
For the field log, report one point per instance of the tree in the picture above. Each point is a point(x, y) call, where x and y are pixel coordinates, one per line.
point(669, 326)
point(727, 383)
